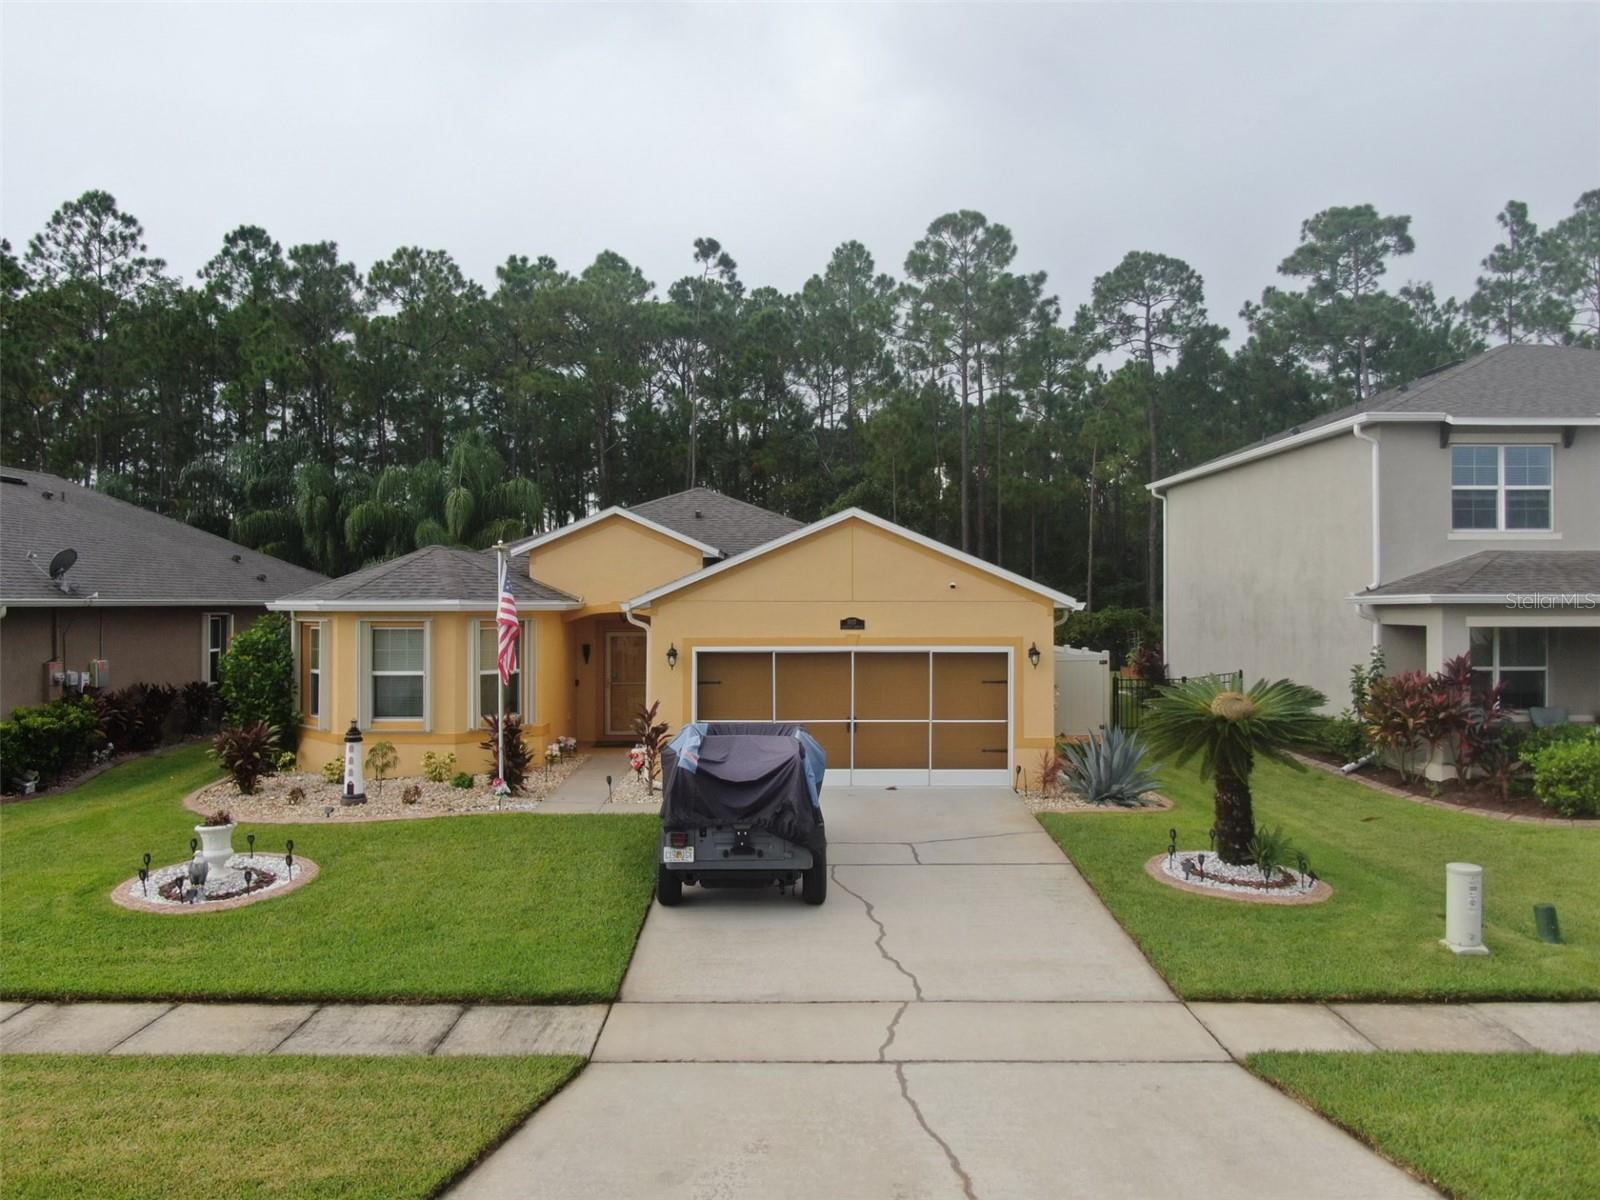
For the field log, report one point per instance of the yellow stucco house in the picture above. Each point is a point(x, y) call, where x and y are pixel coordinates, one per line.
point(911, 662)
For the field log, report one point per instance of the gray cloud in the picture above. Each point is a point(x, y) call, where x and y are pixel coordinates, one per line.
point(1204, 131)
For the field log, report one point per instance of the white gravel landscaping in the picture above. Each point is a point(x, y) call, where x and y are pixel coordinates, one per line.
point(1071, 802)
point(167, 890)
point(631, 788)
point(1232, 882)
point(270, 803)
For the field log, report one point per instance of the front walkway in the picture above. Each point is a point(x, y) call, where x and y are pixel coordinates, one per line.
point(962, 1018)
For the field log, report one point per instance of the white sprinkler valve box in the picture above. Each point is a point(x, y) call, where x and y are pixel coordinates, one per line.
point(1463, 908)
point(355, 786)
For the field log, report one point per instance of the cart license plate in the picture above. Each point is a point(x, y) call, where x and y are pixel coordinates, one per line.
point(675, 854)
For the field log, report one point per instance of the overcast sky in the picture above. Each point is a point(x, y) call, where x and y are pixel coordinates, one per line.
point(1204, 131)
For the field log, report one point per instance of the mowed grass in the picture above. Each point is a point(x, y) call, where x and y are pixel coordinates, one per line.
point(1378, 936)
point(257, 1128)
point(506, 907)
point(1477, 1126)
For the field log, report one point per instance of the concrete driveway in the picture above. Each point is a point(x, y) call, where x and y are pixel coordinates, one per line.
point(962, 1018)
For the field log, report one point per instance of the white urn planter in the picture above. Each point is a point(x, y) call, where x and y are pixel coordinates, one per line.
point(216, 844)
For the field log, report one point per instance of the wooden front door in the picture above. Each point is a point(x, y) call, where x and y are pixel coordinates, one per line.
point(624, 682)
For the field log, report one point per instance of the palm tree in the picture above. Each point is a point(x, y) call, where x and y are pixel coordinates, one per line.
point(1227, 728)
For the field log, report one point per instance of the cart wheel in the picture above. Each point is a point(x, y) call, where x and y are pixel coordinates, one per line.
point(814, 879)
point(669, 886)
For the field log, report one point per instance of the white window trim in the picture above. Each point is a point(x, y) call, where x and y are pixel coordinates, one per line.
point(476, 670)
point(1495, 669)
point(366, 675)
point(205, 644)
point(1500, 489)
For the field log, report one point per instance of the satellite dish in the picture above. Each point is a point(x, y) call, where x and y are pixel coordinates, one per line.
point(62, 563)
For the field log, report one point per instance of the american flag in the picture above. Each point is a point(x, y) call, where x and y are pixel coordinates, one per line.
point(506, 620)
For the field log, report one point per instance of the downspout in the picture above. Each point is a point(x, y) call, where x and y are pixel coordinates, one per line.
point(1359, 430)
point(649, 658)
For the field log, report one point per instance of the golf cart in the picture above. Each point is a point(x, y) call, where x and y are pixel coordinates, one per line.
point(740, 807)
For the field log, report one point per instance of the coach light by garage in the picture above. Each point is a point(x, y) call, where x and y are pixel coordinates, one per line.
point(1033, 655)
point(672, 657)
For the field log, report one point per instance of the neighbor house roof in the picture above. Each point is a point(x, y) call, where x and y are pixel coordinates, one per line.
point(433, 578)
point(1060, 599)
point(1509, 385)
point(1493, 576)
point(127, 555)
point(716, 525)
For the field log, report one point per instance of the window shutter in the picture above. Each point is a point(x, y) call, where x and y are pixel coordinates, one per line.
point(364, 674)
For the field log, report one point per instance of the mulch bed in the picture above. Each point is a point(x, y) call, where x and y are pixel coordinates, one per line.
point(1476, 797)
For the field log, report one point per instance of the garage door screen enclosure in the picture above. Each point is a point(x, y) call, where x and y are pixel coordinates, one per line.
point(885, 716)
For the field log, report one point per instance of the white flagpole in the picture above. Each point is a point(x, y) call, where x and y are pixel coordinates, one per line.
point(499, 676)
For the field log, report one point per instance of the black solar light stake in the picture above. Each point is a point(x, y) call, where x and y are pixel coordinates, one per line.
point(251, 839)
point(249, 876)
point(147, 859)
point(608, 789)
point(144, 875)
point(1212, 833)
point(1172, 843)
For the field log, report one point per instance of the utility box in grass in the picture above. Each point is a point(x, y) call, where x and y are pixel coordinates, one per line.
point(1463, 908)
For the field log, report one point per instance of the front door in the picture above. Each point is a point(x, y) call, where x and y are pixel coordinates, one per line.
point(624, 682)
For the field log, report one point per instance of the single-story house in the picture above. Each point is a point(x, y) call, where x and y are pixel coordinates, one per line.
point(911, 662)
point(135, 597)
point(1459, 514)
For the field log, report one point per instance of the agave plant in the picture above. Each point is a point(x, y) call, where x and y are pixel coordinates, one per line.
point(1109, 769)
point(1227, 728)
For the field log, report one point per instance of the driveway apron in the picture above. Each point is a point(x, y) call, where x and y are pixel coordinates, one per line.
point(962, 1018)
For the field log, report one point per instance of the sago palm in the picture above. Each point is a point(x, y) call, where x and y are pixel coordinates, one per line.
point(1227, 728)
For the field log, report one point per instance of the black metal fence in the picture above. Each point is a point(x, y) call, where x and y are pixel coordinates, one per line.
point(1130, 696)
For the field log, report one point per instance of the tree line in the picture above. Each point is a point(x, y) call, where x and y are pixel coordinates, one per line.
point(334, 417)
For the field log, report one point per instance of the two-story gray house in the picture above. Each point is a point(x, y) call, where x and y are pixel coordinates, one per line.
point(1459, 514)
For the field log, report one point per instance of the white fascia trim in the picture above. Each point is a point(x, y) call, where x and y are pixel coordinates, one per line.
point(211, 603)
point(1346, 424)
point(1060, 599)
point(616, 510)
point(1488, 598)
point(471, 606)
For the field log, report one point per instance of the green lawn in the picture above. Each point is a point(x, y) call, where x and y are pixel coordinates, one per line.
point(1477, 1126)
point(258, 1128)
point(1377, 938)
point(506, 907)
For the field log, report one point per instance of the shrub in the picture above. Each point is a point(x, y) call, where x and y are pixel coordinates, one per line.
point(1051, 765)
point(518, 758)
point(461, 780)
point(381, 759)
point(48, 739)
point(1109, 769)
point(438, 768)
point(122, 720)
point(652, 735)
point(286, 760)
point(1566, 776)
point(333, 771)
point(199, 706)
point(1147, 663)
point(411, 794)
point(1269, 850)
point(1342, 737)
point(258, 678)
point(221, 817)
point(152, 704)
point(246, 752)
point(1118, 631)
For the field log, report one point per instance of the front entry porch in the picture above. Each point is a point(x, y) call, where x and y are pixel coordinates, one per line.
point(608, 656)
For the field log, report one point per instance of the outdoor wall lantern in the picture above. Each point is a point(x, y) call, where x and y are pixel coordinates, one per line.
point(1033, 654)
point(672, 657)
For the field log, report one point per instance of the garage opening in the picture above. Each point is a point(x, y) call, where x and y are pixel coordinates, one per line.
point(885, 716)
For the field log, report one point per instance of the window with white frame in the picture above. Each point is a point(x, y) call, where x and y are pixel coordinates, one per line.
point(1517, 657)
point(311, 656)
point(398, 672)
point(219, 632)
point(488, 671)
point(1501, 487)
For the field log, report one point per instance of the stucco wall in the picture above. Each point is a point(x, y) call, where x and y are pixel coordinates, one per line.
point(1416, 496)
point(1260, 559)
point(450, 681)
point(796, 596)
point(142, 645)
point(612, 560)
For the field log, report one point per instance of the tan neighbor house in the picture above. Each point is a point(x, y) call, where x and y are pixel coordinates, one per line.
point(911, 662)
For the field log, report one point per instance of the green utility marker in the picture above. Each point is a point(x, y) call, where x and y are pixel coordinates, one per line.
point(1545, 922)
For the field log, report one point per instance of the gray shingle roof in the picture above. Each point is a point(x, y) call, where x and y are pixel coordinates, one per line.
point(1503, 572)
point(730, 525)
point(441, 575)
point(128, 554)
point(1548, 382)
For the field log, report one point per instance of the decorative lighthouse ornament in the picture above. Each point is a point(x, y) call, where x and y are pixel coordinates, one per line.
point(355, 787)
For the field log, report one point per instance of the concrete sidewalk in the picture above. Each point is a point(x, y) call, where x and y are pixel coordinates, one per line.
point(586, 789)
point(359, 1029)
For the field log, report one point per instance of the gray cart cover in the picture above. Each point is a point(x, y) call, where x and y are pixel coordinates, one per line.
point(758, 774)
